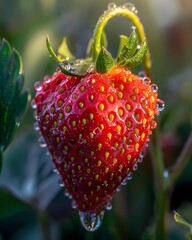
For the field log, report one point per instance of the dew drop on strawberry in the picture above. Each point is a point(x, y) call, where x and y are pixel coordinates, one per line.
point(91, 221)
point(160, 105)
point(33, 104)
point(38, 86)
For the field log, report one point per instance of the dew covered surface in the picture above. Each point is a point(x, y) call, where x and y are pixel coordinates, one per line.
point(96, 128)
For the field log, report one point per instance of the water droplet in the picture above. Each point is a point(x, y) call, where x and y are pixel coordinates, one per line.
point(160, 105)
point(154, 88)
point(129, 176)
point(38, 86)
point(66, 65)
point(36, 126)
point(66, 193)
point(90, 69)
point(131, 7)
point(125, 181)
point(58, 70)
point(135, 166)
point(141, 155)
point(73, 204)
point(138, 47)
point(55, 171)
point(147, 81)
point(47, 153)
point(91, 221)
point(111, 6)
point(165, 174)
point(118, 189)
point(36, 116)
point(109, 206)
point(61, 183)
point(142, 75)
point(47, 79)
point(33, 104)
point(153, 124)
point(42, 142)
point(18, 124)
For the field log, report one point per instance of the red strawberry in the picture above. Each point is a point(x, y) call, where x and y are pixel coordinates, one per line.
point(96, 123)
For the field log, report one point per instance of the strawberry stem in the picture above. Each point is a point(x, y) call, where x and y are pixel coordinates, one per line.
point(103, 20)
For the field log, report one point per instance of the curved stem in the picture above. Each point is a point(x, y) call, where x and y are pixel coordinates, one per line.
point(123, 11)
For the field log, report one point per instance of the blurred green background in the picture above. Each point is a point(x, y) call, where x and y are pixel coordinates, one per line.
point(31, 201)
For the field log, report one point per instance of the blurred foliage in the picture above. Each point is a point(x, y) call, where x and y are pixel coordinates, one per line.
point(12, 101)
point(30, 196)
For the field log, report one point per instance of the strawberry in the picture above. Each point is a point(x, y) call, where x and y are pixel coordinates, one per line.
point(95, 118)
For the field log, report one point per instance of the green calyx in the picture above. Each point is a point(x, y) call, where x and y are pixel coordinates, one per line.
point(132, 50)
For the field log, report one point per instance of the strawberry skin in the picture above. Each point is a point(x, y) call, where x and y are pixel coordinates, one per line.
point(95, 127)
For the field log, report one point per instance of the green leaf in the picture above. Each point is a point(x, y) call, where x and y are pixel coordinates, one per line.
point(122, 41)
point(129, 49)
point(104, 61)
point(78, 67)
point(50, 49)
point(64, 52)
point(179, 219)
point(12, 101)
point(138, 57)
point(103, 43)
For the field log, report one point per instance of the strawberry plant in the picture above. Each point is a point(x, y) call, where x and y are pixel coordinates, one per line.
point(97, 118)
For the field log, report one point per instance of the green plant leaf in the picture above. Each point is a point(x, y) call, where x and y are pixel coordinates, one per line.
point(12, 101)
point(179, 219)
point(122, 41)
point(64, 52)
point(104, 61)
point(138, 57)
point(129, 49)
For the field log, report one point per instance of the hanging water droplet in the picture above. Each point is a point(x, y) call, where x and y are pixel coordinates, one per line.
point(66, 193)
point(33, 104)
point(42, 142)
point(91, 221)
point(109, 206)
point(61, 183)
point(141, 155)
point(125, 181)
point(66, 65)
point(111, 6)
point(118, 189)
point(135, 166)
point(36, 126)
point(129, 176)
point(55, 171)
point(160, 105)
point(36, 116)
point(154, 88)
point(142, 75)
point(38, 86)
point(73, 204)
